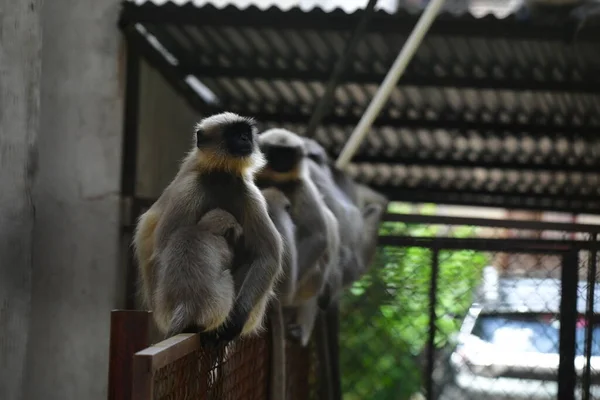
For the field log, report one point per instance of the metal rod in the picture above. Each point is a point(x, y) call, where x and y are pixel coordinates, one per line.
point(589, 316)
point(390, 81)
point(432, 327)
point(131, 272)
point(568, 320)
point(129, 158)
point(488, 222)
point(339, 69)
point(533, 246)
point(130, 124)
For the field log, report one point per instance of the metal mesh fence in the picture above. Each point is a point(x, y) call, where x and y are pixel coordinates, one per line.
point(496, 319)
point(302, 378)
point(238, 371)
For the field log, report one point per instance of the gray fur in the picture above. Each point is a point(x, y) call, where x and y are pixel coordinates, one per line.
point(358, 208)
point(210, 178)
point(317, 233)
point(347, 214)
point(307, 205)
point(279, 208)
point(195, 286)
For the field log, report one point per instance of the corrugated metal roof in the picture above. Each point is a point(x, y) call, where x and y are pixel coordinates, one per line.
point(478, 8)
point(491, 111)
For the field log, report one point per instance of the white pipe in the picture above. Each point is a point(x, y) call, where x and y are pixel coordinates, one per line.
point(389, 83)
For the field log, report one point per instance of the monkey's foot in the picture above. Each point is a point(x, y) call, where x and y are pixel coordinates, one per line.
point(209, 340)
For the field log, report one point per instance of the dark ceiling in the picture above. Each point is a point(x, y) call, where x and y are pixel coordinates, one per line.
point(490, 112)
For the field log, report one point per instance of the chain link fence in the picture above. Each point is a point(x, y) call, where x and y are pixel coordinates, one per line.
point(452, 312)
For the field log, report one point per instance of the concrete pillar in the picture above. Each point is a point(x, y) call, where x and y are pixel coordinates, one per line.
point(77, 279)
point(20, 45)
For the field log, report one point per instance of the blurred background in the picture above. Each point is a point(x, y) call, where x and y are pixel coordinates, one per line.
point(484, 286)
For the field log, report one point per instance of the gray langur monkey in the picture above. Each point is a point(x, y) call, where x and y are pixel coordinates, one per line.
point(302, 310)
point(218, 173)
point(370, 204)
point(279, 207)
point(317, 234)
point(348, 216)
point(314, 286)
point(373, 206)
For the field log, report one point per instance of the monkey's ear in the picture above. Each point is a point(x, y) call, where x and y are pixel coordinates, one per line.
point(372, 210)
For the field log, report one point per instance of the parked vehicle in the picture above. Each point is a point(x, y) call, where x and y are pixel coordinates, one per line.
point(508, 348)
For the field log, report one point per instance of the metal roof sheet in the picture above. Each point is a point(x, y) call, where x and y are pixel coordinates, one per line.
point(491, 111)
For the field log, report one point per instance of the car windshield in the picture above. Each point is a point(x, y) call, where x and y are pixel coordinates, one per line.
point(532, 332)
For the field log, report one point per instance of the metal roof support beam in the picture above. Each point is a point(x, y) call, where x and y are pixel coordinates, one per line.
point(390, 81)
point(339, 69)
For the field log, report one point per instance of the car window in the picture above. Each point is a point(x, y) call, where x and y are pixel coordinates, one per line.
point(531, 332)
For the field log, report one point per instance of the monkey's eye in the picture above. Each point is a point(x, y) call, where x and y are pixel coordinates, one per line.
point(288, 207)
point(245, 136)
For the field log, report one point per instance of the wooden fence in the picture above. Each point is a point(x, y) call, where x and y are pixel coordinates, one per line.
point(180, 368)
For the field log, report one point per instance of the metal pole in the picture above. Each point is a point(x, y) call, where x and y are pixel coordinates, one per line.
point(435, 267)
point(339, 69)
point(589, 316)
point(567, 377)
point(389, 83)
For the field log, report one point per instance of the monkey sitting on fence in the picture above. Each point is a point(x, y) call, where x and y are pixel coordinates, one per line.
point(279, 208)
point(359, 210)
point(348, 216)
point(317, 236)
point(229, 292)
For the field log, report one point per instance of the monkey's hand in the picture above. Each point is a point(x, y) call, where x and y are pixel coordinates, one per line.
point(234, 325)
point(233, 237)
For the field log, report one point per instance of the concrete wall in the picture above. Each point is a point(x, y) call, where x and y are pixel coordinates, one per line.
point(20, 44)
point(77, 278)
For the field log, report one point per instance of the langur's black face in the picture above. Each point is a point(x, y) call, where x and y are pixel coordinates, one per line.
point(282, 158)
point(234, 137)
point(239, 139)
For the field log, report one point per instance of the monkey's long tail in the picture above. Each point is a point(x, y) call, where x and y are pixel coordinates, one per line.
point(180, 322)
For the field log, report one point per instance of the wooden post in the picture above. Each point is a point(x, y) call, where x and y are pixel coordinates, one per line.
point(130, 332)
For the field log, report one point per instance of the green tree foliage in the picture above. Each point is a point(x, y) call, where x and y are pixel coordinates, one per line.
point(385, 316)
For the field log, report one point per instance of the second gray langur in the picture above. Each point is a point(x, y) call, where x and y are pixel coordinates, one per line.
point(317, 235)
point(218, 173)
point(286, 170)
